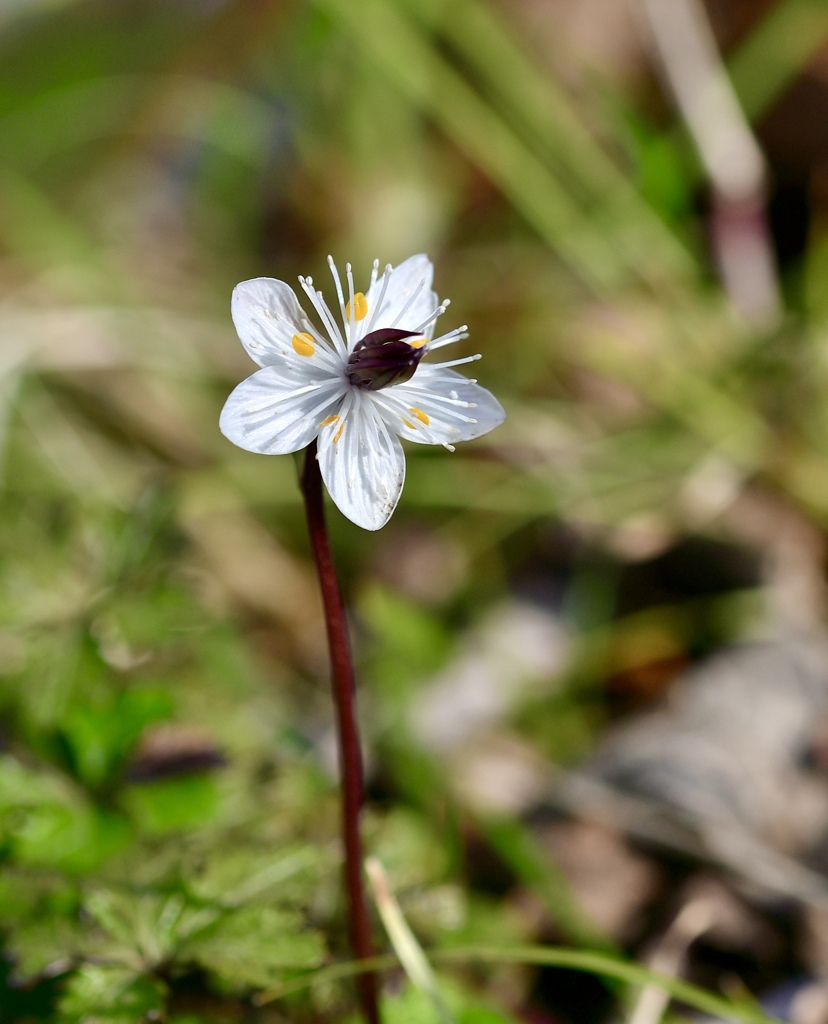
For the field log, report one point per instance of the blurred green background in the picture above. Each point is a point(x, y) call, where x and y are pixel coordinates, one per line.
point(659, 488)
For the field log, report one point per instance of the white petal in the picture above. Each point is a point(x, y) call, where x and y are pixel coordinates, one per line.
point(267, 316)
point(364, 468)
point(412, 276)
point(270, 414)
point(441, 407)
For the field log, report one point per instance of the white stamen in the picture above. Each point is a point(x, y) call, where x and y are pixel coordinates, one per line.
point(455, 362)
point(435, 397)
point(349, 326)
point(458, 416)
point(338, 285)
point(323, 354)
point(450, 412)
point(395, 407)
point(325, 314)
point(405, 308)
point(437, 312)
point(378, 304)
point(328, 317)
point(449, 339)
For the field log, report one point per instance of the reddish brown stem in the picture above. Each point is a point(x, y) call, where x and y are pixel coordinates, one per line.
point(350, 755)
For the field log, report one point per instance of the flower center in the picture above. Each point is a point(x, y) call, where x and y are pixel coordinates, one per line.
point(384, 357)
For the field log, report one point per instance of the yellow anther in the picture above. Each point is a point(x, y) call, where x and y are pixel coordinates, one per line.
point(409, 425)
point(360, 307)
point(417, 342)
point(327, 420)
point(303, 344)
point(421, 416)
point(338, 434)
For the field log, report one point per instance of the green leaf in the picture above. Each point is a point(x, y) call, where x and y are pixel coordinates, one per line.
point(234, 876)
point(409, 641)
point(44, 947)
point(110, 995)
point(255, 946)
point(48, 822)
point(101, 735)
point(172, 805)
point(147, 928)
point(483, 1015)
point(412, 1006)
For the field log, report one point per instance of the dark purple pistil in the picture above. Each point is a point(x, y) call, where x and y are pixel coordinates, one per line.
point(383, 358)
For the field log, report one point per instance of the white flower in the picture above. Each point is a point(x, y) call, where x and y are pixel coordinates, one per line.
point(355, 388)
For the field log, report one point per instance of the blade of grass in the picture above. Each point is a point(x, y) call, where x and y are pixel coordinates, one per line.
point(409, 60)
point(111, 106)
point(552, 126)
point(776, 51)
point(13, 9)
point(405, 944)
point(515, 845)
point(542, 956)
point(42, 236)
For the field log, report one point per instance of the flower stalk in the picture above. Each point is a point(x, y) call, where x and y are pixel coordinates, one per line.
point(348, 395)
point(350, 755)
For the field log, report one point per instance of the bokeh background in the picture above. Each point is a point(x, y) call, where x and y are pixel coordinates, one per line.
point(628, 204)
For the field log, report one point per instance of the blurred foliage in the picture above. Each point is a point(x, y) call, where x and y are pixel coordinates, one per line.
point(169, 813)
